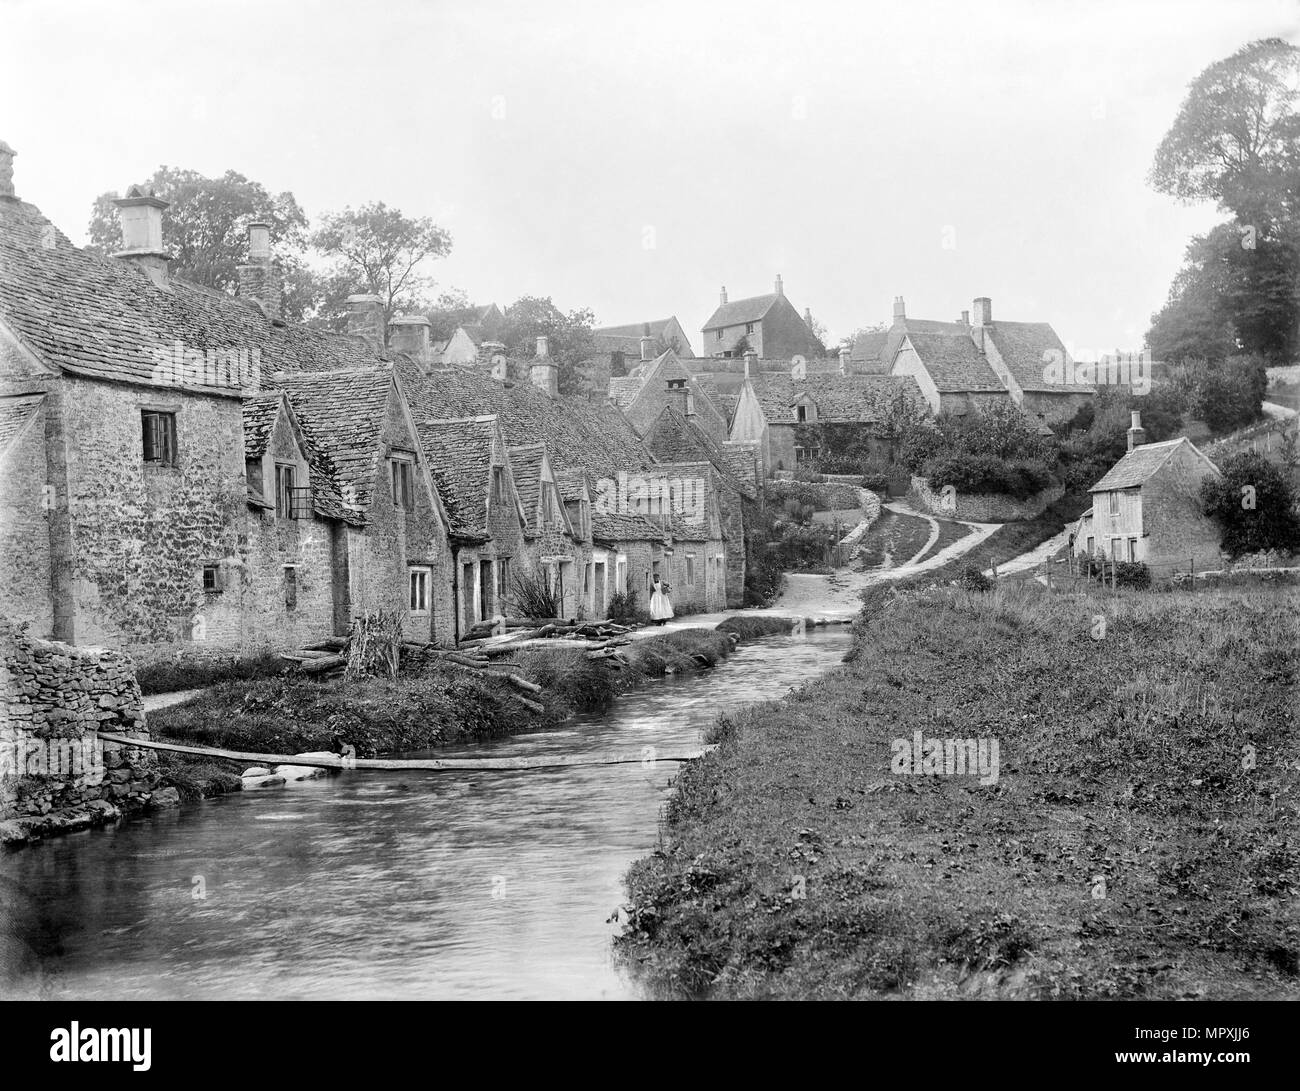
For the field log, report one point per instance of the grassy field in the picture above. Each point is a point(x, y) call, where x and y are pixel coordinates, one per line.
point(898, 537)
point(1139, 839)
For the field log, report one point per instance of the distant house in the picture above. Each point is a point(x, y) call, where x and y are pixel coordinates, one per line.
point(775, 410)
point(974, 361)
point(1147, 508)
point(631, 341)
point(769, 325)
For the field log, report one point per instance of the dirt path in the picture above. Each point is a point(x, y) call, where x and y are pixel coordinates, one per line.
point(163, 700)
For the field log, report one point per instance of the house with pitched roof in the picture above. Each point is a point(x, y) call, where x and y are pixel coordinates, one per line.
point(1147, 508)
point(558, 550)
point(767, 324)
point(962, 365)
point(653, 384)
point(643, 340)
point(786, 412)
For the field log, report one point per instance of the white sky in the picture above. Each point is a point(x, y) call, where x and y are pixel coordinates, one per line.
point(830, 142)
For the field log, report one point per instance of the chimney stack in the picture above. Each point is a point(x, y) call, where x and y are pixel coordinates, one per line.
point(142, 243)
point(366, 318)
point(845, 353)
point(647, 343)
point(410, 333)
point(899, 310)
point(780, 288)
point(6, 170)
point(1137, 435)
point(679, 397)
point(545, 372)
point(983, 311)
point(259, 280)
point(965, 318)
point(722, 295)
point(751, 359)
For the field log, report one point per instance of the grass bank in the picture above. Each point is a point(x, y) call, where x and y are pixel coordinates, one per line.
point(435, 706)
point(192, 672)
point(1139, 840)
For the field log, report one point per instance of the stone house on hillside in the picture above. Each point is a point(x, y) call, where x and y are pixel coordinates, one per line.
point(767, 324)
point(1147, 508)
point(786, 416)
point(962, 365)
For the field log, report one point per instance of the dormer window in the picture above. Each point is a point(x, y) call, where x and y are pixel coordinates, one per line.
point(403, 477)
point(801, 413)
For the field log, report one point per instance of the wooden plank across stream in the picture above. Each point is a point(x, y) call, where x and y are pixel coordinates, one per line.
point(437, 765)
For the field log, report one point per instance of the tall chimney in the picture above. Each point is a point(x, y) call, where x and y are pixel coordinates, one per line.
point(1137, 435)
point(899, 310)
point(410, 333)
point(543, 347)
point(965, 318)
point(543, 371)
point(845, 353)
point(722, 295)
point(142, 243)
point(6, 170)
point(780, 288)
point(366, 318)
point(647, 343)
point(983, 311)
point(259, 280)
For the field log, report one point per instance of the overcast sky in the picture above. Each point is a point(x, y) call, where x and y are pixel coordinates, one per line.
point(633, 158)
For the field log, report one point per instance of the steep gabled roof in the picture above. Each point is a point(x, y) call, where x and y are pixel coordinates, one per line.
point(106, 319)
point(343, 411)
point(260, 412)
point(1136, 467)
point(954, 362)
point(1023, 346)
point(526, 462)
point(839, 398)
point(460, 457)
point(676, 438)
point(753, 309)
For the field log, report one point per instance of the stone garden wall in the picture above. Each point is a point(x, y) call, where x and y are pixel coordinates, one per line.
point(982, 507)
point(55, 772)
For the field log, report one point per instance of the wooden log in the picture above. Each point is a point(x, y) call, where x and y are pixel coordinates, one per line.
point(430, 764)
point(545, 630)
point(523, 683)
point(320, 666)
point(496, 651)
point(294, 658)
point(330, 643)
point(538, 708)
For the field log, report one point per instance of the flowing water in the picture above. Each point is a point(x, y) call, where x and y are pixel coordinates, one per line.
point(378, 884)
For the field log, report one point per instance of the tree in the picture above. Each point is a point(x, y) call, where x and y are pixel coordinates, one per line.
point(851, 341)
point(1227, 395)
point(205, 229)
point(1254, 505)
point(378, 250)
point(1235, 139)
point(569, 338)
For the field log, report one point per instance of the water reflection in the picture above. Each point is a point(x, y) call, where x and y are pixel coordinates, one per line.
point(378, 885)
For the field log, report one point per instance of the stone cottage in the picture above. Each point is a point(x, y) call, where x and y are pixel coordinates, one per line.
point(766, 324)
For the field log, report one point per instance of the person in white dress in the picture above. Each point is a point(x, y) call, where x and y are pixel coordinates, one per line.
point(661, 609)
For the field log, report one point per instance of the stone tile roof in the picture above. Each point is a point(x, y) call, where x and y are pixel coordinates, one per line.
point(1022, 346)
point(675, 438)
point(1136, 467)
point(259, 418)
point(624, 526)
point(839, 398)
point(460, 457)
point(342, 412)
point(571, 484)
point(954, 361)
point(15, 412)
point(627, 339)
point(105, 318)
point(526, 465)
point(752, 309)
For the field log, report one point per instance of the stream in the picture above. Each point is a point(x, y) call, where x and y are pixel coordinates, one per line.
point(378, 885)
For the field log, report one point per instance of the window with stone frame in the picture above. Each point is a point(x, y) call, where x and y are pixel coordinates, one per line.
point(290, 586)
point(419, 590)
point(403, 476)
point(212, 579)
point(285, 480)
point(158, 437)
point(498, 484)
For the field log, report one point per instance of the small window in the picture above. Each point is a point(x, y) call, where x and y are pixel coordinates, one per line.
point(690, 570)
point(548, 503)
point(158, 431)
point(498, 484)
point(1115, 544)
point(403, 487)
point(290, 586)
point(718, 336)
point(1092, 546)
point(211, 579)
point(1113, 502)
point(419, 600)
point(749, 327)
point(503, 577)
point(1132, 549)
point(253, 472)
point(284, 483)
point(801, 413)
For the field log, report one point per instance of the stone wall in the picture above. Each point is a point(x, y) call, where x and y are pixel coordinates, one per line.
point(55, 772)
point(25, 509)
point(983, 507)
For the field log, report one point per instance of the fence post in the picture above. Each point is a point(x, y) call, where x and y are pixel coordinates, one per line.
point(1047, 568)
point(1191, 567)
point(1114, 572)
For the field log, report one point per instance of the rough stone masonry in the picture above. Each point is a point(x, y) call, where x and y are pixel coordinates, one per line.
point(55, 772)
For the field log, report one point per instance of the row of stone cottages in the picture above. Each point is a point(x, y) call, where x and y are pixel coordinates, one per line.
point(185, 469)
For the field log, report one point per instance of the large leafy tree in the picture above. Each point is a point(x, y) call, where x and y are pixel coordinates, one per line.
point(1236, 141)
point(569, 337)
point(1254, 505)
point(378, 250)
point(206, 230)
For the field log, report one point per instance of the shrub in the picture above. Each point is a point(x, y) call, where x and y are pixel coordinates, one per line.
point(191, 672)
point(1271, 523)
point(972, 579)
point(804, 474)
point(624, 607)
point(985, 473)
point(1132, 574)
point(875, 482)
point(536, 595)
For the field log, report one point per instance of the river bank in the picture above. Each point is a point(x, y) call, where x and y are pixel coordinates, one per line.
point(1137, 838)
